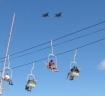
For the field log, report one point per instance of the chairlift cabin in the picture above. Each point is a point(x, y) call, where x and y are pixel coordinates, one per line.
point(74, 70)
point(31, 82)
point(5, 77)
point(52, 61)
point(8, 75)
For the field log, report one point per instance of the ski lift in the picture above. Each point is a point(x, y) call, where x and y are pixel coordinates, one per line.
point(8, 77)
point(31, 82)
point(50, 64)
point(74, 72)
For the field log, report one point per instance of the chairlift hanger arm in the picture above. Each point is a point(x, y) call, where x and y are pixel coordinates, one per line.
point(52, 47)
point(75, 54)
point(51, 55)
point(32, 67)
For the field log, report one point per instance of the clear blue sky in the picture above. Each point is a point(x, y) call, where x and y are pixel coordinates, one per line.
point(31, 29)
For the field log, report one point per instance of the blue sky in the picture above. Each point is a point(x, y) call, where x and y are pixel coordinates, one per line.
point(31, 29)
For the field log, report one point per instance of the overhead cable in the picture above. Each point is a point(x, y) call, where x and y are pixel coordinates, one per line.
point(57, 38)
point(58, 44)
point(61, 53)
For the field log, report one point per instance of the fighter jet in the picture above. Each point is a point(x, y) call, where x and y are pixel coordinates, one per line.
point(45, 15)
point(58, 15)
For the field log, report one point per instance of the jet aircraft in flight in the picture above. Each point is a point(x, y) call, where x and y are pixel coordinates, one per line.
point(45, 15)
point(58, 15)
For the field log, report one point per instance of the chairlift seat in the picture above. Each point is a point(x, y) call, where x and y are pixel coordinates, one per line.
point(5, 79)
point(75, 74)
point(31, 84)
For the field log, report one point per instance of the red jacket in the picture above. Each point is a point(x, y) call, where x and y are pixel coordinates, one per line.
point(51, 63)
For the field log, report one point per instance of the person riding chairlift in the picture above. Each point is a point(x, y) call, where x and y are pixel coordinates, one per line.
point(28, 88)
point(7, 78)
point(74, 69)
point(77, 70)
point(52, 66)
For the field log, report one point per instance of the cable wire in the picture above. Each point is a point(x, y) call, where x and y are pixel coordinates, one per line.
point(61, 53)
point(58, 44)
point(57, 38)
point(27, 49)
point(79, 30)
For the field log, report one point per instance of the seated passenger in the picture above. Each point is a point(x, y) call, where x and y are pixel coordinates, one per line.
point(27, 88)
point(31, 80)
point(28, 80)
point(51, 65)
point(73, 69)
point(71, 77)
point(7, 78)
point(77, 70)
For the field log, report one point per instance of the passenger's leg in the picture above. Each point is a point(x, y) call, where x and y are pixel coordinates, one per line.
point(27, 88)
point(10, 82)
point(71, 77)
point(54, 68)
